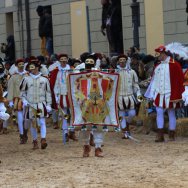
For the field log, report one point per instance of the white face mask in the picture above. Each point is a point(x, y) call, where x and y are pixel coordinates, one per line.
point(90, 61)
point(20, 65)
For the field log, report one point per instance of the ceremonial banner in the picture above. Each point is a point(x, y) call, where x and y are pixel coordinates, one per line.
point(93, 98)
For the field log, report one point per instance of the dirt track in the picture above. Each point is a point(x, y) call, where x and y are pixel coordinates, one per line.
point(126, 164)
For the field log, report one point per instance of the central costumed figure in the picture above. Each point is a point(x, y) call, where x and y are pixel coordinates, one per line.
point(93, 98)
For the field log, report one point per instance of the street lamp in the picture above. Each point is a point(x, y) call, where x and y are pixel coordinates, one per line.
point(135, 6)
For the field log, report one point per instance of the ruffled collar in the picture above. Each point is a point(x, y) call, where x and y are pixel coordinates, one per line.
point(166, 61)
point(128, 65)
point(67, 67)
point(21, 73)
point(35, 76)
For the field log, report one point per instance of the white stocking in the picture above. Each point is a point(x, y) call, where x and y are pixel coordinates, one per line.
point(65, 124)
point(42, 127)
point(123, 122)
point(160, 117)
point(34, 133)
point(84, 137)
point(5, 124)
point(54, 116)
point(98, 138)
point(131, 114)
point(172, 119)
point(20, 121)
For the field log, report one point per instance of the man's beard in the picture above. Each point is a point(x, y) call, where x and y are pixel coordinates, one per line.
point(89, 66)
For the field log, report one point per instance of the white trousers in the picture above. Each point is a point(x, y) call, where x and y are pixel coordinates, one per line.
point(54, 116)
point(5, 124)
point(65, 124)
point(97, 135)
point(20, 121)
point(160, 118)
point(42, 122)
point(131, 114)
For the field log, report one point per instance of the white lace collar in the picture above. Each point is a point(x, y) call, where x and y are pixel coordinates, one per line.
point(21, 73)
point(35, 76)
point(67, 67)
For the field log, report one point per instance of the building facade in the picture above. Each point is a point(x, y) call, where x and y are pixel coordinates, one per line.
point(76, 25)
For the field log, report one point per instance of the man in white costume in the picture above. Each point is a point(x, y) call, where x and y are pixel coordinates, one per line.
point(15, 102)
point(166, 90)
point(128, 87)
point(36, 96)
point(58, 82)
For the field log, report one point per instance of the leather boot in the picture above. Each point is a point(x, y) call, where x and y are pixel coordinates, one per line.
point(35, 145)
point(91, 140)
point(67, 137)
point(43, 143)
point(5, 131)
point(22, 139)
point(160, 136)
point(171, 135)
point(98, 152)
point(55, 125)
point(25, 136)
point(38, 129)
point(126, 132)
point(72, 136)
point(87, 149)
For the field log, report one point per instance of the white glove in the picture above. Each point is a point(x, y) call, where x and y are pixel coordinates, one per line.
point(2, 107)
point(25, 103)
point(4, 116)
point(11, 104)
point(49, 109)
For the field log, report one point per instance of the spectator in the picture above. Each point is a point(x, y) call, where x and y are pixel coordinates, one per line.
point(40, 12)
point(48, 31)
point(112, 22)
point(137, 66)
point(9, 50)
point(148, 62)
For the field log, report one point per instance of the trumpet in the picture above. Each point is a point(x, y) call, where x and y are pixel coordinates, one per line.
point(120, 119)
point(140, 98)
point(37, 113)
point(65, 116)
point(14, 118)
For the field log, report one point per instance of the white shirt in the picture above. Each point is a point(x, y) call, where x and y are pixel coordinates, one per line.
point(161, 81)
point(60, 87)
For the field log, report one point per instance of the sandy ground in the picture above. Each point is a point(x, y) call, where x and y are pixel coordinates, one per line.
point(126, 164)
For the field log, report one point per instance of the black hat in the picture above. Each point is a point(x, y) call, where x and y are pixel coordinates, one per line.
point(83, 56)
point(91, 57)
point(41, 58)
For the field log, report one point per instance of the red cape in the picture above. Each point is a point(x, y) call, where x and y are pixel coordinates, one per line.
point(176, 79)
point(53, 76)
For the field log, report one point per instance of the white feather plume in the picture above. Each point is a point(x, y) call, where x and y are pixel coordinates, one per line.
point(178, 48)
